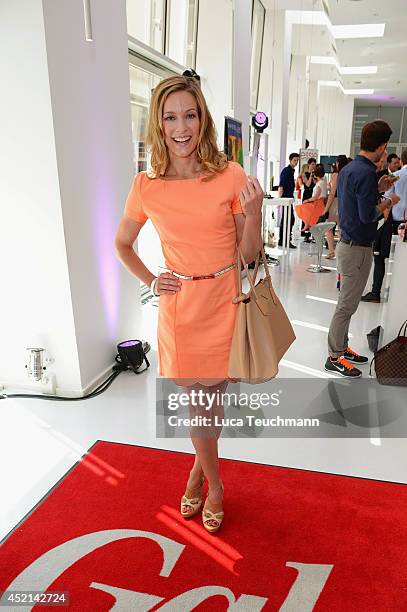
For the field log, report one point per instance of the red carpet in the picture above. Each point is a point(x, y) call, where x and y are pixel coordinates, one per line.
point(292, 540)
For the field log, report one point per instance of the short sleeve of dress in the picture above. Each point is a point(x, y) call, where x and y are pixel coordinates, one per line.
point(239, 181)
point(134, 206)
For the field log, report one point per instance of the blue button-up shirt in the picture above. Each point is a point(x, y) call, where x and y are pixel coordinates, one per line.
point(400, 188)
point(287, 181)
point(358, 197)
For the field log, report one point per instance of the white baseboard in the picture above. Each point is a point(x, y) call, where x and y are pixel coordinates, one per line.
point(95, 382)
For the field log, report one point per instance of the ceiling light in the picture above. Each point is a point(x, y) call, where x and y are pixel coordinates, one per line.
point(324, 59)
point(360, 30)
point(330, 84)
point(332, 61)
point(347, 92)
point(358, 69)
point(315, 18)
point(359, 92)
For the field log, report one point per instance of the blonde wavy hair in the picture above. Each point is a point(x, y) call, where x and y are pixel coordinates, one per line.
point(209, 156)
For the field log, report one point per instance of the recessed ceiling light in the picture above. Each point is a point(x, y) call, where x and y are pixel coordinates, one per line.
point(347, 92)
point(361, 30)
point(359, 92)
point(358, 69)
point(315, 18)
point(322, 59)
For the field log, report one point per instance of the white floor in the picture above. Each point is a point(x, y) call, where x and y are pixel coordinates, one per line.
point(41, 440)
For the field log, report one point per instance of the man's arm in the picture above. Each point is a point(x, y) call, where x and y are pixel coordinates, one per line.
point(389, 192)
point(367, 197)
point(283, 181)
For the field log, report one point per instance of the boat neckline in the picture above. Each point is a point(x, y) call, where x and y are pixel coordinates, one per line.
point(174, 180)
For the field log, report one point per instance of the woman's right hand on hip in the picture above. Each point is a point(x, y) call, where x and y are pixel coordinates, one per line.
point(167, 283)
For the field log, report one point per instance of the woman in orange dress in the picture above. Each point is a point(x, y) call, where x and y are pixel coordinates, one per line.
point(201, 206)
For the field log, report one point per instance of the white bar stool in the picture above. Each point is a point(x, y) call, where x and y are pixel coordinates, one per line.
point(318, 231)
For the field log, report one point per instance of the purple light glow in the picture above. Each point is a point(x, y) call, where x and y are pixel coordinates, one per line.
point(389, 99)
point(104, 222)
point(129, 343)
point(260, 118)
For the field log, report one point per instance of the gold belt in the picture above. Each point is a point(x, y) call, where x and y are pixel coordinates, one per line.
point(205, 276)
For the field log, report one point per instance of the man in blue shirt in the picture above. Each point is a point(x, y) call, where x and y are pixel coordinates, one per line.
point(383, 237)
point(359, 208)
point(286, 190)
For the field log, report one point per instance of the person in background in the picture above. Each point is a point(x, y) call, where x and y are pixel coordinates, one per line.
point(286, 190)
point(393, 164)
point(319, 195)
point(331, 207)
point(309, 184)
point(381, 249)
point(359, 208)
point(300, 182)
point(321, 188)
point(309, 180)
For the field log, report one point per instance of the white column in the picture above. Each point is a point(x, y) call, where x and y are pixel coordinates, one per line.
point(215, 27)
point(334, 124)
point(312, 112)
point(242, 18)
point(297, 104)
point(68, 161)
point(281, 58)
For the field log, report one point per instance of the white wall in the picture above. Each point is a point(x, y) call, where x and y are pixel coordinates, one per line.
point(214, 59)
point(312, 120)
point(281, 56)
point(242, 47)
point(68, 168)
point(334, 122)
point(266, 69)
point(297, 103)
point(35, 304)
point(92, 122)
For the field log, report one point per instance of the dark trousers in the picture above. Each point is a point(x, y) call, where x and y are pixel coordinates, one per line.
point(379, 261)
point(378, 274)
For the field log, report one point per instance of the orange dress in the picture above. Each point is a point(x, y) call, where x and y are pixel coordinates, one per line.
point(194, 220)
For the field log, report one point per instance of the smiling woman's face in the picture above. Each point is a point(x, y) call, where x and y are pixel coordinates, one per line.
point(181, 124)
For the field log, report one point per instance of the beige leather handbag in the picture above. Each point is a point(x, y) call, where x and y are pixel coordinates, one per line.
point(263, 332)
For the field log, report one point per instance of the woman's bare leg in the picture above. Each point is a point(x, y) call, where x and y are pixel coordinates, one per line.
point(330, 240)
point(205, 441)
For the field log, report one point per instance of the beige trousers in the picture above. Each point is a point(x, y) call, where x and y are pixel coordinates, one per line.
point(353, 263)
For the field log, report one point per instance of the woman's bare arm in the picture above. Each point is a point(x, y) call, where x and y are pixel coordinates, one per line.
point(248, 223)
point(125, 238)
point(248, 235)
point(315, 197)
point(332, 192)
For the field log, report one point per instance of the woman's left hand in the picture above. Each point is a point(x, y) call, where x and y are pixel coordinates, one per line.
point(251, 197)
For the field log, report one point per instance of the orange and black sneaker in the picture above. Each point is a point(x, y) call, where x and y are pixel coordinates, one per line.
point(350, 355)
point(342, 367)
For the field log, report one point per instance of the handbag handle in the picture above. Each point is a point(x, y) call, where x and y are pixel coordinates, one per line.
point(251, 280)
point(398, 336)
point(405, 330)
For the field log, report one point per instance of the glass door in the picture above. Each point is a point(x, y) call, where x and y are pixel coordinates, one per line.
point(142, 82)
